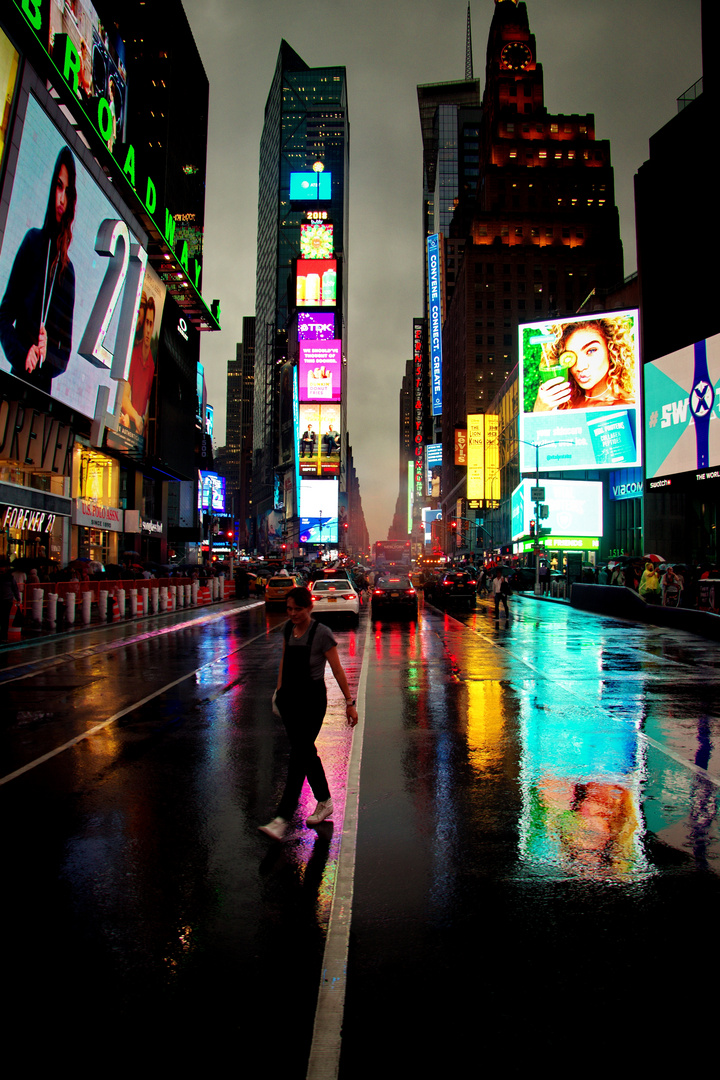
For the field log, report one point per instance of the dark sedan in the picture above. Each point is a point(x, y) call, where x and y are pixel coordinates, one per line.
point(455, 589)
point(393, 595)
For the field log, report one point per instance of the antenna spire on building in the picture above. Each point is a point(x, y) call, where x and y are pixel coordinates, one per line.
point(468, 49)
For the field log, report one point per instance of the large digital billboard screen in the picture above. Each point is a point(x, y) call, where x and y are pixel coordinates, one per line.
point(69, 278)
point(310, 186)
point(483, 457)
point(580, 392)
point(319, 442)
point(211, 492)
point(574, 508)
point(682, 413)
point(435, 317)
point(316, 240)
point(318, 511)
point(320, 370)
point(9, 59)
point(130, 434)
point(101, 54)
point(433, 466)
point(316, 326)
point(316, 282)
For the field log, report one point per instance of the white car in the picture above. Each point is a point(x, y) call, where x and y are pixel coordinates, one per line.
point(336, 596)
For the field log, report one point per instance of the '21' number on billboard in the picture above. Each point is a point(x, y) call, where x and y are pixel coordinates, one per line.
point(124, 274)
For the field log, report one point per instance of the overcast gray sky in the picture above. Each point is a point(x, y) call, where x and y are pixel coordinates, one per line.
point(626, 61)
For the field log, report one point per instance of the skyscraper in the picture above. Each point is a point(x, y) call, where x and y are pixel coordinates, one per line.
point(541, 234)
point(303, 178)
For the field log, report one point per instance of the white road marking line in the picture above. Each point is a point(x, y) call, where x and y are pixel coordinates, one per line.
point(324, 1061)
point(123, 712)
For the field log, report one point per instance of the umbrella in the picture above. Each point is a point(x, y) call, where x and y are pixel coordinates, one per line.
point(655, 558)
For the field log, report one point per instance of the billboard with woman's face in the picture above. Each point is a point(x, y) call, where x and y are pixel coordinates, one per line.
point(70, 274)
point(580, 392)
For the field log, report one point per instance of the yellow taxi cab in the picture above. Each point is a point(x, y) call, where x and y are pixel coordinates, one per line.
point(278, 587)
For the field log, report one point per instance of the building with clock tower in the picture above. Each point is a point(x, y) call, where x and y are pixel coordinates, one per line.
point(541, 234)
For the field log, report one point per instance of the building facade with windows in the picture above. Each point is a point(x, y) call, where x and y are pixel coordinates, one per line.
point(541, 233)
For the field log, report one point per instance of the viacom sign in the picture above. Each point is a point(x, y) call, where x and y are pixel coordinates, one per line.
point(682, 411)
point(626, 484)
point(435, 322)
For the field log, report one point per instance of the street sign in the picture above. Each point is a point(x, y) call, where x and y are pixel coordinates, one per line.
point(544, 532)
point(537, 494)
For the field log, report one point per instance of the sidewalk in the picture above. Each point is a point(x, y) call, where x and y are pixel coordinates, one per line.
point(29, 636)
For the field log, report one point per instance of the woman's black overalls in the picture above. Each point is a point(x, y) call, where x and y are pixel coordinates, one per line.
point(302, 702)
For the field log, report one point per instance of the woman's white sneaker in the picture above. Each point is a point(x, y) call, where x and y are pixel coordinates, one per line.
point(322, 810)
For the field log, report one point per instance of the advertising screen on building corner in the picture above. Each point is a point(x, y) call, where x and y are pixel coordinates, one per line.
point(318, 511)
point(435, 326)
point(682, 415)
point(316, 283)
point(580, 392)
point(574, 508)
point(71, 295)
point(320, 370)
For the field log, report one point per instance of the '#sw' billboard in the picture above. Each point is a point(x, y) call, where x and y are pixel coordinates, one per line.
point(682, 411)
point(580, 392)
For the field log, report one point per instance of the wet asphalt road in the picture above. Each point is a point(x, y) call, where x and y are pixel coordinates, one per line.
point(538, 850)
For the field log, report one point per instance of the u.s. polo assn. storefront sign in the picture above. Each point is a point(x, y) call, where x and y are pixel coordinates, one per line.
point(95, 516)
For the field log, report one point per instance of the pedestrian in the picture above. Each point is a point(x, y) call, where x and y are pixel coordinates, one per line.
point(500, 591)
point(9, 593)
point(301, 700)
point(649, 587)
point(242, 583)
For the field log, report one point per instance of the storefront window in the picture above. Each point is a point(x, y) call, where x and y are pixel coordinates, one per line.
point(95, 477)
point(40, 543)
point(96, 490)
point(55, 485)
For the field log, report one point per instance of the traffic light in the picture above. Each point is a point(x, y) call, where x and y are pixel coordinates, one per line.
point(453, 526)
point(532, 526)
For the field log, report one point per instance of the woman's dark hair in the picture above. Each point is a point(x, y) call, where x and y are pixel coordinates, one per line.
point(299, 596)
point(63, 232)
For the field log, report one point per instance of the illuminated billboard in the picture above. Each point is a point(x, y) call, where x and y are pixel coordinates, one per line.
point(318, 511)
point(435, 317)
point(580, 392)
point(320, 370)
point(211, 493)
point(682, 413)
point(9, 58)
point(101, 56)
point(316, 241)
point(136, 394)
point(310, 186)
point(71, 275)
point(319, 441)
point(316, 282)
point(483, 458)
point(574, 508)
point(433, 467)
point(316, 326)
